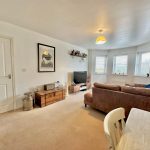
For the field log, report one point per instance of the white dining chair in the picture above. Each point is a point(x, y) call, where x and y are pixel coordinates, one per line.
point(113, 126)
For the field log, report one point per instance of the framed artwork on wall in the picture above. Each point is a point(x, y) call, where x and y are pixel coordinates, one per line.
point(46, 58)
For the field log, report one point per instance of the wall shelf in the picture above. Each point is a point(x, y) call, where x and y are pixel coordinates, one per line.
point(74, 53)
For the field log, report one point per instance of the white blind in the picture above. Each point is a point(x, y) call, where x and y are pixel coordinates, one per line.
point(142, 64)
point(100, 65)
point(120, 64)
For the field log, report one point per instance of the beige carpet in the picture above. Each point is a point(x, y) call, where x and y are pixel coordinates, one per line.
point(65, 125)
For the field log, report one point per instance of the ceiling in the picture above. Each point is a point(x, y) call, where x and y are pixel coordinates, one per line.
point(125, 22)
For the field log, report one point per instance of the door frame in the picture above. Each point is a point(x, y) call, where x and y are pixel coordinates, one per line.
point(12, 67)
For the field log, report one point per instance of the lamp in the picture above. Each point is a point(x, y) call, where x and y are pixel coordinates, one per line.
point(101, 39)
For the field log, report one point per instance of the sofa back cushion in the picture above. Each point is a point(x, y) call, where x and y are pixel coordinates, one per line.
point(139, 85)
point(106, 86)
point(136, 90)
point(135, 84)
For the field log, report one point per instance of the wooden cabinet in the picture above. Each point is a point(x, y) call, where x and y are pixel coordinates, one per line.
point(43, 98)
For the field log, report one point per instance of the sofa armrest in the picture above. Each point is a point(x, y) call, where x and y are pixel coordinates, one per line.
point(88, 99)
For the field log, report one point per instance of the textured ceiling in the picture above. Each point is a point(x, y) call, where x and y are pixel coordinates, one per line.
point(125, 22)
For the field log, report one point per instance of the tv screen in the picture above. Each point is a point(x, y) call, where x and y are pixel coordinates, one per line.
point(80, 77)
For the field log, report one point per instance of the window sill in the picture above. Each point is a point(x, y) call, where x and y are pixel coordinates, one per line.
point(119, 74)
point(100, 73)
point(141, 76)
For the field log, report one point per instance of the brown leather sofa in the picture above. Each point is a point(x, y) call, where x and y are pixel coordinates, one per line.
point(108, 97)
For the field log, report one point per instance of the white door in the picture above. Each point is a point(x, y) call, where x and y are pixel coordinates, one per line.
point(6, 90)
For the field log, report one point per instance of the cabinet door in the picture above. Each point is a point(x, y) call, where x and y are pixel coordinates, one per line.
point(50, 98)
point(58, 95)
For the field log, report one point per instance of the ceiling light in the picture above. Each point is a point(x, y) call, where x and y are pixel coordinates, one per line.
point(101, 39)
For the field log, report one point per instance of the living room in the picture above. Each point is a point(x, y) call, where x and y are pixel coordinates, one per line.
point(68, 69)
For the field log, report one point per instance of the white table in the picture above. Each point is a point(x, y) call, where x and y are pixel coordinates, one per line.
point(136, 135)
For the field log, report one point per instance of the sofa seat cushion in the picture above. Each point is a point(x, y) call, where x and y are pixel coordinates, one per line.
point(136, 90)
point(106, 86)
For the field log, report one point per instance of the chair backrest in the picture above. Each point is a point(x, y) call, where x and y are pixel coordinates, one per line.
point(113, 126)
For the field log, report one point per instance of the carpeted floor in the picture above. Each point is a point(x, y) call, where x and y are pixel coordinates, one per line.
point(65, 125)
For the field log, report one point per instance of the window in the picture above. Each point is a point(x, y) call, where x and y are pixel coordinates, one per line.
point(100, 65)
point(142, 67)
point(120, 65)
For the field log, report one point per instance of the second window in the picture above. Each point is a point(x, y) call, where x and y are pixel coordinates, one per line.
point(120, 65)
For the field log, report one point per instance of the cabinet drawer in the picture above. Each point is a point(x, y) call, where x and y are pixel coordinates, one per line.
point(50, 99)
point(49, 95)
point(48, 103)
point(58, 97)
point(58, 93)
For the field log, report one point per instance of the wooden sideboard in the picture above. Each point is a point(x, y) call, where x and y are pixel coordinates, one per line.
point(44, 98)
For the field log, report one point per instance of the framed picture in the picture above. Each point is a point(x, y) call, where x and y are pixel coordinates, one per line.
point(46, 58)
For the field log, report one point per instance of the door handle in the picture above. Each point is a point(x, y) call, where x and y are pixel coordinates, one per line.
point(9, 76)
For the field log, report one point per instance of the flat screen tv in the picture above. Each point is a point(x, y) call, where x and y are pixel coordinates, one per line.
point(80, 77)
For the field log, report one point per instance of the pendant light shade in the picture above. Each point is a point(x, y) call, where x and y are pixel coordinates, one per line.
point(101, 39)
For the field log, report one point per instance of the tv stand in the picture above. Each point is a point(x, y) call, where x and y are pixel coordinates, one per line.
point(78, 87)
point(83, 87)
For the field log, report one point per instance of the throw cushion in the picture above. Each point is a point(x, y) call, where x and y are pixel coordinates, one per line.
point(147, 86)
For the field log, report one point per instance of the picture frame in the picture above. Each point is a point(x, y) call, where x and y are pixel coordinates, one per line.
point(46, 58)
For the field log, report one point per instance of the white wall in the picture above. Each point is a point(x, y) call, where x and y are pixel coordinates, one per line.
point(116, 79)
point(25, 59)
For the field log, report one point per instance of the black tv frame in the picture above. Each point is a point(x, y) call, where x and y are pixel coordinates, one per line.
point(80, 72)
